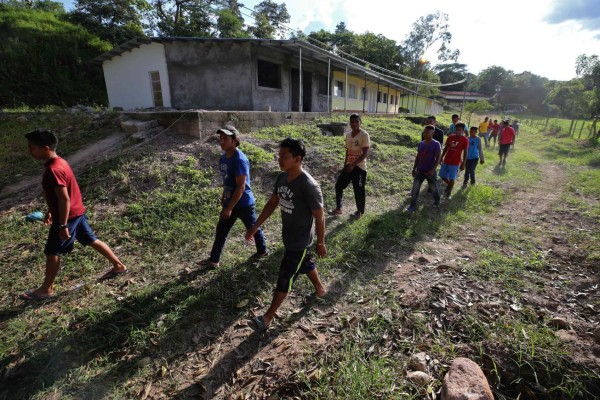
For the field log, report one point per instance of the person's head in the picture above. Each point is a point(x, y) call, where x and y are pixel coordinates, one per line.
point(473, 131)
point(428, 132)
point(506, 122)
point(291, 153)
point(355, 121)
point(460, 128)
point(228, 137)
point(41, 143)
point(455, 118)
point(485, 119)
point(430, 120)
point(495, 121)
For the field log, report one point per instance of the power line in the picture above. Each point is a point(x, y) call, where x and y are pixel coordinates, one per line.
point(394, 75)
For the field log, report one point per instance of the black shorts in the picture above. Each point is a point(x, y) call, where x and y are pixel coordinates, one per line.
point(293, 264)
point(504, 148)
point(79, 229)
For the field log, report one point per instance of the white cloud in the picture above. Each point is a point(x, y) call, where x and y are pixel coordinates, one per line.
point(512, 33)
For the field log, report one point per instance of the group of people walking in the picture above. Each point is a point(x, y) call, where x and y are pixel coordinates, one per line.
point(295, 191)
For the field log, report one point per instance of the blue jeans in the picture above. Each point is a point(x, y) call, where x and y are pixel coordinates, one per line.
point(418, 181)
point(248, 217)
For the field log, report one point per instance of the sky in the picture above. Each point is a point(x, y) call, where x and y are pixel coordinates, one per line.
point(541, 36)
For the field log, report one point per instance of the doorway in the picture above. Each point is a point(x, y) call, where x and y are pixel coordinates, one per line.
point(306, 90)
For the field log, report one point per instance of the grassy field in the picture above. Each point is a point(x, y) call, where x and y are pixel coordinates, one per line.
point(172, 329)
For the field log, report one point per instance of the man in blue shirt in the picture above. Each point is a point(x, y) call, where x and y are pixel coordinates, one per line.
point(238, 199)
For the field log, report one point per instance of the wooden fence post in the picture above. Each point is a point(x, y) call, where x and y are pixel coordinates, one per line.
point(571, 127)
point(574, 128)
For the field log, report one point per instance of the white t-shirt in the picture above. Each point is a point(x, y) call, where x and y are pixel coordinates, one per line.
point(354, 147)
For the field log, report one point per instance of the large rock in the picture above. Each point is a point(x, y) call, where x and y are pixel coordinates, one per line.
point(135, 126)
point(465, 381)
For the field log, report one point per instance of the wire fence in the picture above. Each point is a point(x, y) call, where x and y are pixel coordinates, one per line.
point(576, 128)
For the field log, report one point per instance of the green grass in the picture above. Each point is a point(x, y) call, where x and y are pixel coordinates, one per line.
point(74, 131)
point(158, 211)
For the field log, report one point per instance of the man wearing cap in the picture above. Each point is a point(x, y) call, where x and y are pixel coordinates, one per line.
point(238, 199)
point(507, 137)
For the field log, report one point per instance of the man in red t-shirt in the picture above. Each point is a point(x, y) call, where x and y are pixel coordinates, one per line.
point(495, 130)
point(507, 137)
point(454, 156)
point(66, 214)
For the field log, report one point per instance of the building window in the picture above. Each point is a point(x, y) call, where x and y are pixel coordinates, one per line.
point(352, 91)
point(392, 99)
point(323, 85)
point(378, 96)
point(338, 89)
point(385, 98)
point(156, 88)
point(269, 74)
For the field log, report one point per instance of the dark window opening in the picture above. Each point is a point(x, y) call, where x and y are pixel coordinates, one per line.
point(269, 74)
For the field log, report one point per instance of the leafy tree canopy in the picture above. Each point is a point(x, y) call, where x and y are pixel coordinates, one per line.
point(269, 17)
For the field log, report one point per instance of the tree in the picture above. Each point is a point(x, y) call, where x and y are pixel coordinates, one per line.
point(269, 17)
point(193, 18)
point(480, 106)
point(427, 31)
point(452, 72)
point(230, 23)
point(491, 77)
point(570, 97)
point(55, 7)
point(113, 21)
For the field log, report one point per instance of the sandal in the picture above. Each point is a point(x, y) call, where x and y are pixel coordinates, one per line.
point(258, 324)
point(30, 295)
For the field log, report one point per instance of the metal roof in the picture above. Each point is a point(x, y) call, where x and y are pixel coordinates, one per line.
point(288, 46)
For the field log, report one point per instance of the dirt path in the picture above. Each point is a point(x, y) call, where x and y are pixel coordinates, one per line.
point(242, 364)
point(29, 187)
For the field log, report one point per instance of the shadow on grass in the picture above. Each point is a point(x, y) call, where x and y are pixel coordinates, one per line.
point(203, 304)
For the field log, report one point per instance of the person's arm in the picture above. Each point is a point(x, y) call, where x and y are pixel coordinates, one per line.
point(64, 206)
point(464, 159)
point(481, 158)
point(319, 216)
point(444, 153)
point(438, 157)
point(264, 215)
point(240, 186)
point(417, 157)
point(360, 159)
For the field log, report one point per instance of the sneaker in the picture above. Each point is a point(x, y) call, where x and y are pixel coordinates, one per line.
point(336, 211)
point(411, 208)
point(356, 215)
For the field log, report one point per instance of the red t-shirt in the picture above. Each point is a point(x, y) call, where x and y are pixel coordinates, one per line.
point(507, 135)
point(59, 173)
point(455, 145)
point(495, 129)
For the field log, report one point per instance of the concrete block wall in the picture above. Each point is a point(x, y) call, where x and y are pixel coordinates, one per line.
point(198, 123)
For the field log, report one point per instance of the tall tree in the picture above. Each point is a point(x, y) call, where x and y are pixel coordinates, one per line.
point(193, 18)
point(452, 72)
point(230, 23)
point(426, 32)
point(55, 7)
point(115, 21)
point(269, 17)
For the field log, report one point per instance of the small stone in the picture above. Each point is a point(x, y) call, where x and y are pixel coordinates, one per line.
point(418, 362)
point(558, 322)
point(423, 260)
point(418, 377)
point(597, 334)
point(465, 380)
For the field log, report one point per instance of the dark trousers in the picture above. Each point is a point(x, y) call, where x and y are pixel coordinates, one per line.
point(470, 170)
point(418, 181)
point(358, 177)
point(248, 217)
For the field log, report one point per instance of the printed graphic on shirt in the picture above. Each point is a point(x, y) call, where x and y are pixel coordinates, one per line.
point(286, 201)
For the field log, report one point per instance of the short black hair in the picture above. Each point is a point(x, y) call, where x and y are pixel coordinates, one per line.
point(454, 115)
point(431, 117)
point(43, 137)
point(429, 128)
point(295, 146)
point(473, 128)
point(460, 124)
point(355, 116)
